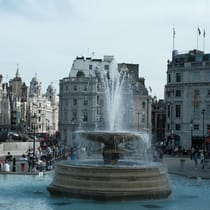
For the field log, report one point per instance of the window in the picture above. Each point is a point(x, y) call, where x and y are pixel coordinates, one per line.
point(178, 127)
point(168, 94)
point(196, 77)
point(178, 77)
point(97, 100)
point(178, 110)
point(85, 117)
point(74, 117)
point(143, 118)
point(143, 105)
point(168, 112)
point(168, 126)
point(66, 87)
point(74, 101)
point(196, 127)
point(196, 92)
point(85, 88)
point(208, 110)
point(75, 88)
point(90, 66)
point(169, 78)
point(208, 92)
point(106, 67)
point(178, 93)
point(85, 102)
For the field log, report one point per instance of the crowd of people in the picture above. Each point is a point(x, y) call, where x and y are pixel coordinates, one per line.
point(200, 157)
point(42, 160)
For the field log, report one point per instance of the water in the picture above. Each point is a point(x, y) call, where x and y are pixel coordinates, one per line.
point(118, 97)
point(21, 192)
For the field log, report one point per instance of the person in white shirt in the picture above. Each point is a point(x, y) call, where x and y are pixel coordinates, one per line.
point(6, 167)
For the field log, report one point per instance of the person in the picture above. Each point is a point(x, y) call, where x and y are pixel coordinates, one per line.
point(195, 158)
point(192, 152)
point(31, 160)
point(1, 165)
point(6, 167)
point(202, 159)
point(23, 160)
point(8, 157)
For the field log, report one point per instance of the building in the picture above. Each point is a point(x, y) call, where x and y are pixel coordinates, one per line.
point(158, 121)
point(18, 94)
point(141, 113)
point(5, 113)
point(42, 108)
point(187, 97)
point(82, 104)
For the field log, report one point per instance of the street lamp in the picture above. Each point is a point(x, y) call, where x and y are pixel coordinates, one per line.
point(170, 117)
point(204, 145)
point(191, 130)
point(34, 140)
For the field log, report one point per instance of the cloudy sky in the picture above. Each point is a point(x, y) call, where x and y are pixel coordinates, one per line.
point(45, 36)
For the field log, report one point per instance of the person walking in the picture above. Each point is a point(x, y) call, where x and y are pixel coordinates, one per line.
point(195, 158)
point(202, 159)
point(23, 160)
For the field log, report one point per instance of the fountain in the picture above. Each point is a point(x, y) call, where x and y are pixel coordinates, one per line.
point(122, 169)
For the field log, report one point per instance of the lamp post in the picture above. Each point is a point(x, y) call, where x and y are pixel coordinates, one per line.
point(204, 145)
point(34, 140)
point(170, 116)
point(191, 131)
point(138, 119)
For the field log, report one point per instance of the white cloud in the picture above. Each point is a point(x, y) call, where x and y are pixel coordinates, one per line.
point(45, 36)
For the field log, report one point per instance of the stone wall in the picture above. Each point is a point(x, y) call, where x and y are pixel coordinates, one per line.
point(16, 148)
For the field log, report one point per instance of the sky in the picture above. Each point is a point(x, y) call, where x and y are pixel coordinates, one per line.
point(44, 36)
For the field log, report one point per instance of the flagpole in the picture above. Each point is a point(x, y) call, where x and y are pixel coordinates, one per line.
point(197, 40)
point(174, 33)
point(204, 36)
point(198, 34)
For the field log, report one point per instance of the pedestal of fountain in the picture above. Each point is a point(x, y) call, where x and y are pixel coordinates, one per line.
point(111, 178)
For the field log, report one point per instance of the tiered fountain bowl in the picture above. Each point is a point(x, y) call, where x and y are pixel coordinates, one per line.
point(111, 178)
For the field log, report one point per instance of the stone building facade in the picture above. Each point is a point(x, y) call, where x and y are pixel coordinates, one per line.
point(187, 98)
point(25, 110)
point(42, 108)
point(82, 104)
point(5, 113)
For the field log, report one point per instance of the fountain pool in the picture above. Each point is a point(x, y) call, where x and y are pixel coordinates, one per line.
point(24, 192)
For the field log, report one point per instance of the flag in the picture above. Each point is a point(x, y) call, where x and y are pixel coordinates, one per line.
point(195, 101)
point(150, 89)
point(174, 32)
point(199, 31)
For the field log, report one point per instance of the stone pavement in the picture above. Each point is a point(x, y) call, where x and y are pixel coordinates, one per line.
point(184, 166)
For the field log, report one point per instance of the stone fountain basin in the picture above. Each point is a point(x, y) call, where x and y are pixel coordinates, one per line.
point(91, 179)
point(108, 137)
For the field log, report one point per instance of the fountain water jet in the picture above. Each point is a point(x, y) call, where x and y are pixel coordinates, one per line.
point(114, 174)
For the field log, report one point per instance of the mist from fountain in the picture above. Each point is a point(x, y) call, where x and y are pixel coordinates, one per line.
point(118, 116)
point(116, 87)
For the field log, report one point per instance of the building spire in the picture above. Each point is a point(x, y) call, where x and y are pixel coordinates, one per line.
point(17, 71)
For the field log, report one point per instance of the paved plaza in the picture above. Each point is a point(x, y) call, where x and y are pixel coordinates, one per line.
point(184, 166)
point(179, 165)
